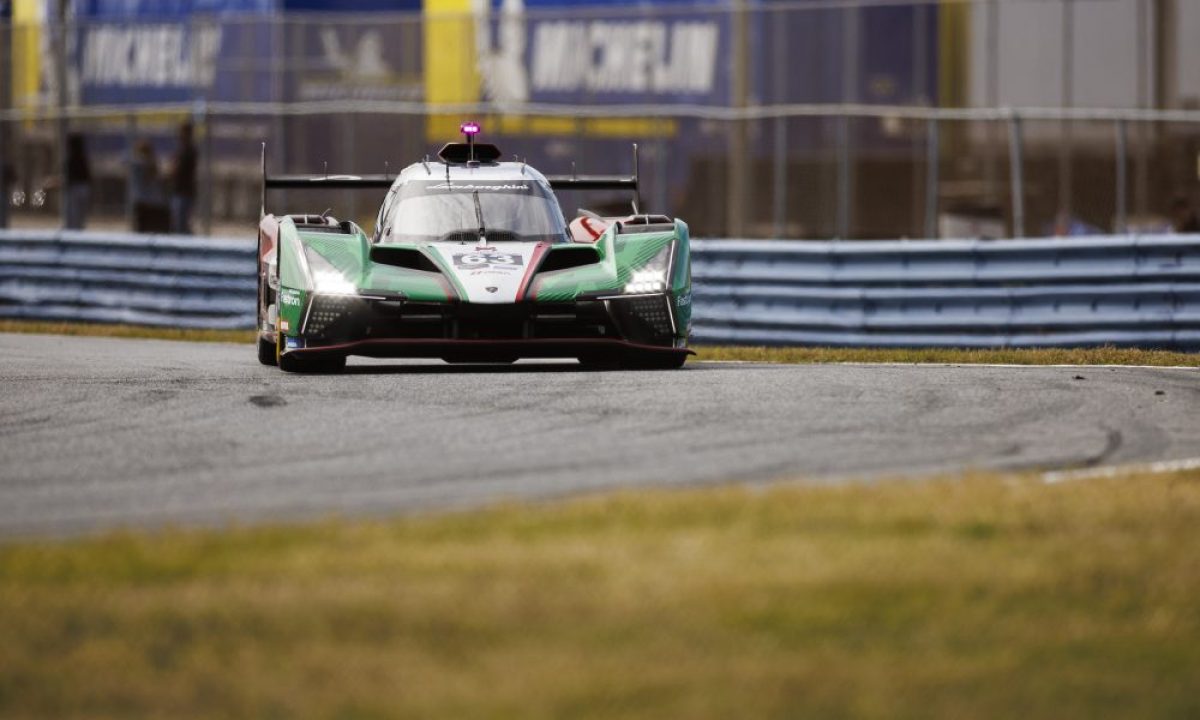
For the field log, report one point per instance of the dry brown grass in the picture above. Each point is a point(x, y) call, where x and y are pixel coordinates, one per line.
point(1039, 356)
point(975, 597)
point(125, 331)
point(1052, 356)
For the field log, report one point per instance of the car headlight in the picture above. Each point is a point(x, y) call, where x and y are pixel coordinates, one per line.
point(332, 282)
point(651, 277)
point(327, 279)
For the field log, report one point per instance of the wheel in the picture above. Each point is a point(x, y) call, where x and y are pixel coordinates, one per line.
point(593, 363)
point(654, 361)
point(266, 351)
point(599, 361)
point(480, 360)
point(320, 364)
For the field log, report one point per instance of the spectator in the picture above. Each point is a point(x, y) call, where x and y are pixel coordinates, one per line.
point(77, 188)
point(1067, 225)
point(8, 192)
point(183, 182)
point(1183, 217)
point(145, 190)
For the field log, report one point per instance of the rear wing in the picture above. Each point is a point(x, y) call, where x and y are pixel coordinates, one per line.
point(383, 182)
point(331, 182)
point(602, 182)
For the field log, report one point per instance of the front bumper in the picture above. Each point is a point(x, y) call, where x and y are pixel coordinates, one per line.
point(381, 326)
point(493, 350)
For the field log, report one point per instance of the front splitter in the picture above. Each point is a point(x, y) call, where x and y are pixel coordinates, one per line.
point(484, 350)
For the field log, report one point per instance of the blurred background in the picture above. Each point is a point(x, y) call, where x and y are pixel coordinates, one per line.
point(768, 119)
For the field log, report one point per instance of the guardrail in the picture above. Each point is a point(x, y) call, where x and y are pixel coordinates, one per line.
point(160, 280)
point(1126, 290)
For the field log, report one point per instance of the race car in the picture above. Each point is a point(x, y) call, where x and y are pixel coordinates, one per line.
point(472, 260)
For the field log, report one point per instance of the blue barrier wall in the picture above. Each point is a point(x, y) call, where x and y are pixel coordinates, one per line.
point(160, 280)
point(1128, 290)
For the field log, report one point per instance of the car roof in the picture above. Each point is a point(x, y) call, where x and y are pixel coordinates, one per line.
point(503, 171)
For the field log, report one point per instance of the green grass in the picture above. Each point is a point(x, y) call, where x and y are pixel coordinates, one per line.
point(1057, 356)
point(964, 598)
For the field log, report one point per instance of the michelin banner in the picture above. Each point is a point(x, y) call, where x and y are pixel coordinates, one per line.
point(511, 52)
point(129, 51)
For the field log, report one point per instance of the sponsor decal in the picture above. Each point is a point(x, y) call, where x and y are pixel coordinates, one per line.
point(645, 56)
point(285, 325)
point(149, 56)
point(287, 296)
point(491, 288)
point(674, 56)
point(490, 187)
point(293, 342)
point(488, 261)
point(685, 299)
point(360, 63)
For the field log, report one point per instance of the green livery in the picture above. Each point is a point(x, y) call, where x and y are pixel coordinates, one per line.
point(471, 260)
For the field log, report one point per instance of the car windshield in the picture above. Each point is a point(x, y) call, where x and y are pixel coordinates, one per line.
point(429, 210)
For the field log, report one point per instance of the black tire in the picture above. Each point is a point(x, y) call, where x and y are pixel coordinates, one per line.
point(497, 360)
point(266, 351)
point(654, 361)
point(599, 363)
point(267, 354)
point(319, 364)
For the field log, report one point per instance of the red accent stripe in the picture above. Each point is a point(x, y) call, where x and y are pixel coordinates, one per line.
point(535, 261)
point(587, 225)
point(448, 286)
point(442, 278)
point(268, 233)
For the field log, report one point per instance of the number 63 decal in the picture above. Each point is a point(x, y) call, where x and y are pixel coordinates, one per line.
point(488, 260)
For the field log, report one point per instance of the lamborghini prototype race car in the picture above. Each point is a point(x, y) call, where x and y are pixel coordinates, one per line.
point(471, 260)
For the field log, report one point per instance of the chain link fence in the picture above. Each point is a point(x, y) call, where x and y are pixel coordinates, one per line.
point(809, 119)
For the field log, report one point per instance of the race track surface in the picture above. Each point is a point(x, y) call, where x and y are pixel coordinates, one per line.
point(99, 432)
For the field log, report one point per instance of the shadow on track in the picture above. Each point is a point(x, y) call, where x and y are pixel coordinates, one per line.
point(501, 369)
point(465, 368)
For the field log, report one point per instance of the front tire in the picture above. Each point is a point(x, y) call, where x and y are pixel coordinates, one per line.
point(655, 361)
point(299, 363)
point(481, 360)
point(320, 365)
point(266, 351)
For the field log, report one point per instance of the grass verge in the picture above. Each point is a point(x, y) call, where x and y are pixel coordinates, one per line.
point(973, 597)
point(125, 331)
point(953, 356)
point(802, 355)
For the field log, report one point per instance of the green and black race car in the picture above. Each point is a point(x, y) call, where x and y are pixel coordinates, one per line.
point(471, 260)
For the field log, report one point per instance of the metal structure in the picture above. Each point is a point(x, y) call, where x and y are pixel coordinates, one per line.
point(864, 119)
point(1128, 290)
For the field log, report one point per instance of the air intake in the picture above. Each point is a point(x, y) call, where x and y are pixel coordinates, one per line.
point(409, 258)
point(569, 256)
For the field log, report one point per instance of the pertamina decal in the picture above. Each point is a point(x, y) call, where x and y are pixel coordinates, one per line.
point(288, 296)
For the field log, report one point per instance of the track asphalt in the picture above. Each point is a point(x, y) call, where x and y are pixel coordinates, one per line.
point(98, 433)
